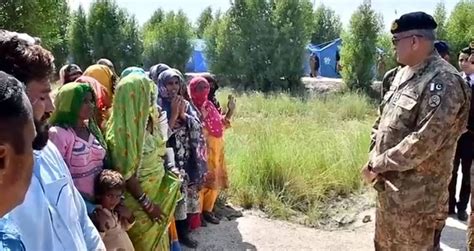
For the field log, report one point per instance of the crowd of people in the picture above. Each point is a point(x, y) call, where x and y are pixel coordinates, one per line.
point(136, 161)
point(106, 162)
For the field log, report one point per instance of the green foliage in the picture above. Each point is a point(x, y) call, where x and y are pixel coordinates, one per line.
point(204, 20)
point(114, 34)
point(460, 28)
point(440, 17)
point(387, 60)
point(327, 25)
point(168, 41)
point(79, 41)
point(47, 19)
point(259, 44)
point(283, 153)
point(358, 53)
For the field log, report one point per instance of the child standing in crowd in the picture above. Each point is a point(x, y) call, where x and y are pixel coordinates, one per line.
point(112, 221)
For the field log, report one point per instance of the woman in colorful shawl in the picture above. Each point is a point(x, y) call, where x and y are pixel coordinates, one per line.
point(137, 147)
point(102, 99)
point(132, 70)
point(212, 93)
point(104, 75)
point(156, 70)
point(214, 126)
point(189, 148)
point(78, 138)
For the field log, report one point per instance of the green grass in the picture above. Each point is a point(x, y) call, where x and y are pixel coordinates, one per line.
point(288, 156)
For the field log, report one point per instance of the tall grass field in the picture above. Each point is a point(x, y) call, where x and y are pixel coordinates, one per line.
point(288, 156)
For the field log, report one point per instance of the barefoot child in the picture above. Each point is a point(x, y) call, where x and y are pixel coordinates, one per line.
point(112, 219)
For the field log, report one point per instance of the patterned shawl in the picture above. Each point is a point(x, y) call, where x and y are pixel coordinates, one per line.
point(133, 105)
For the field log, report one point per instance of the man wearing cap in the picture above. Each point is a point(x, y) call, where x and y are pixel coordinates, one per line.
point(443, 49)
point(421, 117)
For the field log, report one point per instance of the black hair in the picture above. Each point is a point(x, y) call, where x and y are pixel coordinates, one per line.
point(14, 113)
point(109, 180)
point(23, 60)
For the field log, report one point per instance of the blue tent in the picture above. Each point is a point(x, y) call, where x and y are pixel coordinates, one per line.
point(326, 53)
point(197, 62)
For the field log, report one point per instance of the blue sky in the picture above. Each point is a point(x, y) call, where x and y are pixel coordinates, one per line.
point(143, 9)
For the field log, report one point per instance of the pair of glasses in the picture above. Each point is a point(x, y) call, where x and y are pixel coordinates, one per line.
point(395, 40)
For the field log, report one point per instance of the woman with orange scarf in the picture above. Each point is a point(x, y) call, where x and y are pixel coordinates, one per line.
point(214, 126)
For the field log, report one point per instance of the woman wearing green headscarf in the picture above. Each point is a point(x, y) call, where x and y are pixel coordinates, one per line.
point(77, 136)
point(137, 147)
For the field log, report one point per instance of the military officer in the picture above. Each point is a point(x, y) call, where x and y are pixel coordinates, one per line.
point(414, 139)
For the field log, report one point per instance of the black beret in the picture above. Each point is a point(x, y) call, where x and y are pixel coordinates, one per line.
point(442, 47)
point(413, 21)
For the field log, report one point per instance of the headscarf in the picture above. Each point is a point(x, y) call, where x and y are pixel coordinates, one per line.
point(108, 63)
point(102, 98)
point(213, 120)
point(68, 102)
point(104, 75)
point(163, 98)
point(156, 70)
point(212, 93)
point(132, 70)
point(67, 73)
point(133, 105)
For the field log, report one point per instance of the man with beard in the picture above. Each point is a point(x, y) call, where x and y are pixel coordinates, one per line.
point(53, 215)
point(17, 132)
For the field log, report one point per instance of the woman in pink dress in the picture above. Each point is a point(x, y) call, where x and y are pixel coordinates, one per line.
point(78, 138)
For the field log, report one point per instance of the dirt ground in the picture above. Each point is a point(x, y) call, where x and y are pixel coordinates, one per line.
point(256, 232)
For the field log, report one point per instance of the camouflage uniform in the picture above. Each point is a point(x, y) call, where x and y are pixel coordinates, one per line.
point(387, 81)
point(421, 117)
point(470, 224)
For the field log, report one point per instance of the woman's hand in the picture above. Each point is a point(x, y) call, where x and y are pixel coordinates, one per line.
point(154, 212)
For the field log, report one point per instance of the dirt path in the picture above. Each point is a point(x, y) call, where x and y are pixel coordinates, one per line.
point(255, 232)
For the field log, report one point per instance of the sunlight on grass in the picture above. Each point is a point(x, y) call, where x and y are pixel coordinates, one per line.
point(286, 155)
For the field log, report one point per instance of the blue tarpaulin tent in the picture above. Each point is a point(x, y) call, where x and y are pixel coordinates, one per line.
point(197, 62)
point(326, 53)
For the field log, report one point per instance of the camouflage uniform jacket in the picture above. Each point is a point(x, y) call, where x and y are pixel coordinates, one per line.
point(421, 118)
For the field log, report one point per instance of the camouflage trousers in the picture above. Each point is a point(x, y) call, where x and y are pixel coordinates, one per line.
point(470, 231)
point(404, 232)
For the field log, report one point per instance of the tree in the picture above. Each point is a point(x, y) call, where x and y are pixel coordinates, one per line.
point(169, 41)
point(104, 28)
point(131, 43)
point(155, 19)
point(358, 53)
point(293, 22)
point(440, 16)
point(327, 25)
point(204, 20)
point(460, 30)
point(79, 40)
point(46, 19)
point(260, 44)
point(114, 34)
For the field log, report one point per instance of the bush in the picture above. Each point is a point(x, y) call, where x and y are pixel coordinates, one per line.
point(358, 53)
